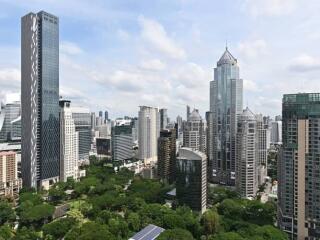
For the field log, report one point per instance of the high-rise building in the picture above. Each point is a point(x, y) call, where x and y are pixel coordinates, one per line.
point(246, 159)
point(276, 132)
point(11, 111)
point(82, 121)
point(225, 105)
point(100, 114)
point(106, 116)
point(191, 179)
point(93, 121)
point(179, 122)
point(40, 99)
point(167, 155)
point(188, 112)
point(149, 130)
point(262, 148)
point(69, 143)
point(122, 141)
point(298, 176)
point(15, 129)
point(10, 184)
point(278, 118)
point(163, 118)
point(194, 133)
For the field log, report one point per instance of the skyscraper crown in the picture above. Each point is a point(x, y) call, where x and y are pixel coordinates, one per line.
point(227, 58)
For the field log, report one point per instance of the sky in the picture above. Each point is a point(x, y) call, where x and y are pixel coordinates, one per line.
point(116, 55)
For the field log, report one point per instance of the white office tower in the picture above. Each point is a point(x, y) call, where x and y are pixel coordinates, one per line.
point(246, 159)
point(276, 132)
point(263, 146)
point(194, 133)
point(149, 130)
point(69, 143)
point(251, 148)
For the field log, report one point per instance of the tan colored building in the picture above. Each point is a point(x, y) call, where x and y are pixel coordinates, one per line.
point(10, 184)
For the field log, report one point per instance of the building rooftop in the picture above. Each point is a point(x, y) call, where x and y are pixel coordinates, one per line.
point(150, 232)
point(195, 116)
point(227, 58)
point(5, 153)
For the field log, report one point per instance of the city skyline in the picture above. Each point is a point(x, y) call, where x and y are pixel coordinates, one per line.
point(166, 55)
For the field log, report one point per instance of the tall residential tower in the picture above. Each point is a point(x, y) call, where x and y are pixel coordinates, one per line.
point(40, 144)
point(299, 166)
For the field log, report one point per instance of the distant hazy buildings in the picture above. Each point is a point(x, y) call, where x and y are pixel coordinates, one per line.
point(10, 129)
point(194, 133)
point(106, 116)
point(191, 179)
point(299, 174)
point(276, 132)
point(82, 121)
point(149, 129)
point(10, 184)
point(225, 105)
point(40, 99)
point(167, 155)
point(163, 118)
point(69, 141)
point(122, 142)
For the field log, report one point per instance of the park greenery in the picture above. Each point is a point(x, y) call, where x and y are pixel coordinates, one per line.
point(114, 206)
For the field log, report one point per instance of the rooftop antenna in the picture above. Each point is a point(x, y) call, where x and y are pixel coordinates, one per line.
point(226, 44)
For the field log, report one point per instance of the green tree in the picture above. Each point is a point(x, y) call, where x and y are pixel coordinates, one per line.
point(175, 234)
point(26, 234)
point(7, 214)
point(133, 221)
point(231, 209)
point(5, 232)
point(89, 231)
point(268, 232)
point(211, 222)
point(227, 236)
point(58, 228)
point(37, 214)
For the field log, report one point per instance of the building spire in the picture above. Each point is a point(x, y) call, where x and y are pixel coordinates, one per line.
point(226, 44)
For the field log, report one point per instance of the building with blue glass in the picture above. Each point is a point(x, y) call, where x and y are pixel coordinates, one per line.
point(226, 92)
point(40, 140)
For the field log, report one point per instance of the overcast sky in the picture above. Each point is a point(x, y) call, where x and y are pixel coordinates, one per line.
point(119, 54)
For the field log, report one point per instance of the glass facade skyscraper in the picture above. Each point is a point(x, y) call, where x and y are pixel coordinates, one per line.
point(298, 166)
point(225, 105)
point(40, 99)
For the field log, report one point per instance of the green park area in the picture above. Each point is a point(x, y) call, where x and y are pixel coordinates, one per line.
point(100, 206)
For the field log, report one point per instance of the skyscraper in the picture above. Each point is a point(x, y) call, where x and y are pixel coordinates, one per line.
point(149, 130)
point(100, 114)
point(122, 141)
point(191, 179)
point(225, 105)
point(167, 155)
point(106, 116)
point(163, 118)
point(188, 112)
point(69, 141)
point(298, 176)
point(247, 155)
point(12, 112)
point(82, 121)
point(276, 134)
point(194, 133)
point(40, 99)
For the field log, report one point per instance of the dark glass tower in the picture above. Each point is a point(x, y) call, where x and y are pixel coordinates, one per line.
point(40, 99)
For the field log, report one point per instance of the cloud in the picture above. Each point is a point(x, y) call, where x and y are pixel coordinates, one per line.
point(10, 74)
point(155, 34)
point(70, 48)
point(123, 35)
point(253, 48)
point(250, 85)
point(270, 7)
point(304, 63)
point(153, 65)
